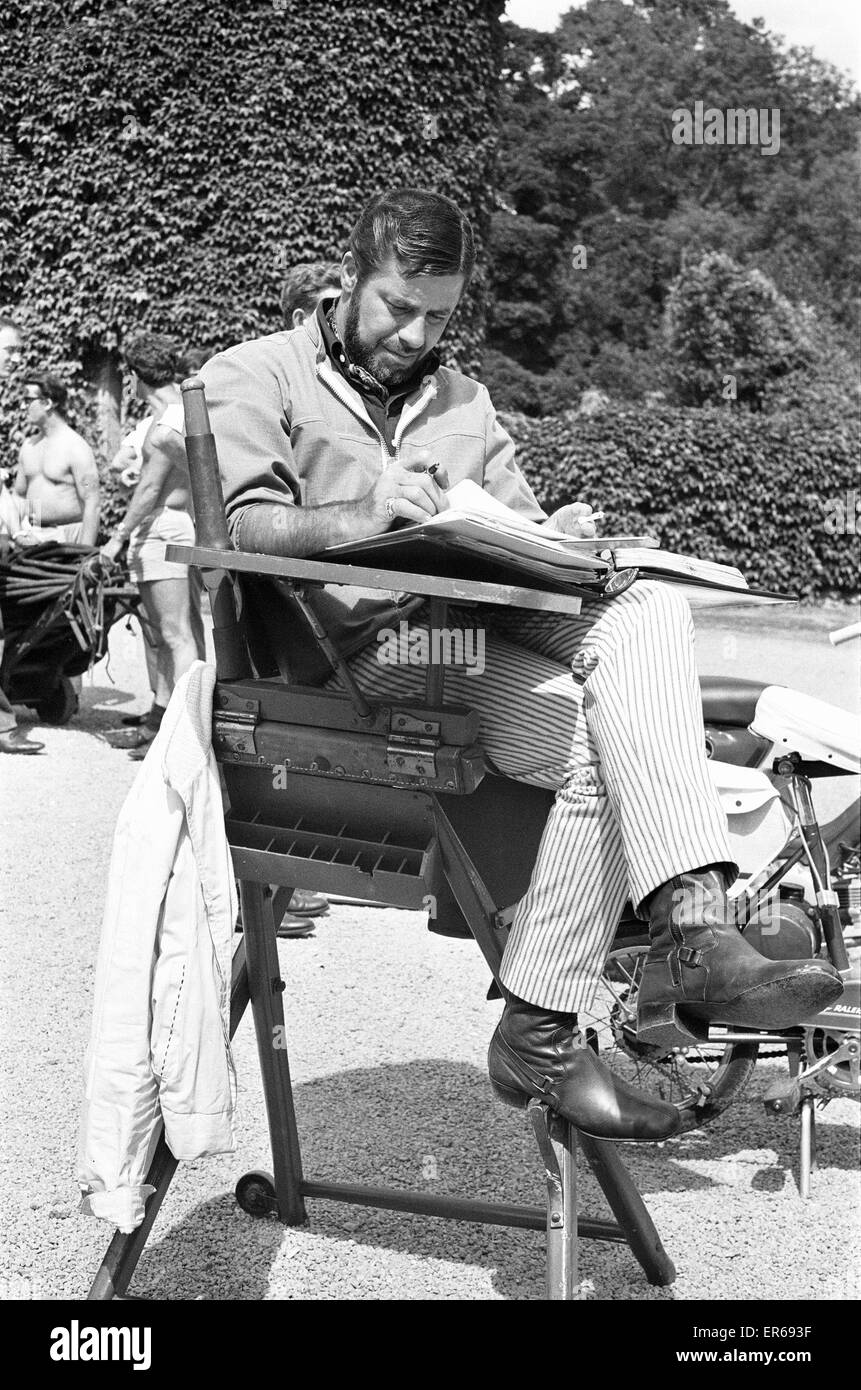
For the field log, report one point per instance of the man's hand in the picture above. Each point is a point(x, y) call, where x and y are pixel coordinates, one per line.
point(575, 519)
point(130, 477)
point(111, 549)
point(410, 491)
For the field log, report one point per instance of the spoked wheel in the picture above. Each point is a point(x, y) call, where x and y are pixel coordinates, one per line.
point(702, 1080)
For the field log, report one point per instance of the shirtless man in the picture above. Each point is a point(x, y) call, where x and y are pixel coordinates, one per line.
point(159, 513)
point(57, 471)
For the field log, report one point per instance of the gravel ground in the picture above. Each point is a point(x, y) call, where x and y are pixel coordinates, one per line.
point(390, 1090)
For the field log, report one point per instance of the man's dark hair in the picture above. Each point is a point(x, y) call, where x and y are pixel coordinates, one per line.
point(426, 232)
point(154, 356)
point(303, 283)
point(51, 387)
point(191, 361)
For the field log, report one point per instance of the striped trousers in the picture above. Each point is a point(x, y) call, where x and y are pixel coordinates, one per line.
point(605, 708)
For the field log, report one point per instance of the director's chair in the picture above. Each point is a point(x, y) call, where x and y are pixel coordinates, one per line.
point(386, 803)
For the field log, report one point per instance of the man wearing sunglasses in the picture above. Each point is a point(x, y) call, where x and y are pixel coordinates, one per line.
point(57, 471)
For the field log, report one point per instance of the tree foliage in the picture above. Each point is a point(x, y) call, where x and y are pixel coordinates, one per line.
point(727, 324)
point(587, 160)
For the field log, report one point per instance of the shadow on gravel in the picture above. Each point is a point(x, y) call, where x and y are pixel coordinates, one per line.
point(436, 1127)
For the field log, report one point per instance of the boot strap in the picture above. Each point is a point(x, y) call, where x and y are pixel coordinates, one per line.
point(689, 955)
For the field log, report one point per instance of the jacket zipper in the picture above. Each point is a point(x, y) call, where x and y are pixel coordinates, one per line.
point(330, 378)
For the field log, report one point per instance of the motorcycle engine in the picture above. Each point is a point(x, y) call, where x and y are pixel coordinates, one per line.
point(784, 930)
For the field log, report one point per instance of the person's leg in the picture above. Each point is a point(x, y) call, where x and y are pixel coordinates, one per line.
point(152, 617)
point(8, 721)
point(11, 741)
point(634, 659)
point(170, 601)
point(151, 659)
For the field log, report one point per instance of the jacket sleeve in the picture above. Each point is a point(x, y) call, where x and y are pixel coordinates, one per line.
point(250, 416)
point(502, 477)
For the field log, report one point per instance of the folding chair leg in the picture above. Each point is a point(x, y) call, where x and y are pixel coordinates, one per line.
point(557, 1141)
point(121, 1258)
point(629, 1209)
point(266, 986)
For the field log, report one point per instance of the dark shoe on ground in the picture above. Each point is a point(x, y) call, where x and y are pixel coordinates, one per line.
point(700, 969)
point(134, 721)
point(150, 718)
point(304, 903)
point(535, 1053)
point(16, 741)
point(139, 752)
point(291, 925)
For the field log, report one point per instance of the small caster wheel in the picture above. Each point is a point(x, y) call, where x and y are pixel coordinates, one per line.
point(255, 1193)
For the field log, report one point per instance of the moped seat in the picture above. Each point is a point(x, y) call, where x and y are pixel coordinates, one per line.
point(727, 700)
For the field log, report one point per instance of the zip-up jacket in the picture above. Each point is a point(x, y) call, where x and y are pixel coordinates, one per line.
point(159, 1043)
point(291, 430)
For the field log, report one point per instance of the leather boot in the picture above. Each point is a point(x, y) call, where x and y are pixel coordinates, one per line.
point(701, 969)
point(535, 1053)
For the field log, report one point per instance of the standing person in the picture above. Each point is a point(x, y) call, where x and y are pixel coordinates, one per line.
point(57, 470)
point(128, 462)
point(159, 513)
point(326, 434)
point(12, 739)
point(304, 286)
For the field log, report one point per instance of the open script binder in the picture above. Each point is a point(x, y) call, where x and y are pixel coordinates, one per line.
point(489, 537)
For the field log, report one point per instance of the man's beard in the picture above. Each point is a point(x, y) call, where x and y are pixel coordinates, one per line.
point(369, 359)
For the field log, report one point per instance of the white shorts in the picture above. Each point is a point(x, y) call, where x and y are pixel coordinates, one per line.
point(146, 546)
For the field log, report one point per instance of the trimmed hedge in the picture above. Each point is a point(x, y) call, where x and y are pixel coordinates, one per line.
point(763, 492)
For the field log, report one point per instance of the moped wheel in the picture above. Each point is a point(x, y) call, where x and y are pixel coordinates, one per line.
point(702, 1081)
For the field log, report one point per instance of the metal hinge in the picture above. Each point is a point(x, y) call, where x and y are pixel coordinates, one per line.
point(411, 749)
point(233, 732)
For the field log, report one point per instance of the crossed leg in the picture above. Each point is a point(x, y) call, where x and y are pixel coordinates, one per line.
point(605, 708)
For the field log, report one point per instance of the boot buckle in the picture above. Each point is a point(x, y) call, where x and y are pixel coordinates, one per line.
point(689, 955)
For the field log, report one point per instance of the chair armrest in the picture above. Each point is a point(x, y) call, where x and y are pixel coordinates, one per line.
point(454, 590)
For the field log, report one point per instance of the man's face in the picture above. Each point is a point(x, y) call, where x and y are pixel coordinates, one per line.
point(393, 321)
point(10, 350)
point(35, 406)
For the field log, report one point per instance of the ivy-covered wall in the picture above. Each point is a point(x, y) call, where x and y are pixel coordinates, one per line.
point(163, 161)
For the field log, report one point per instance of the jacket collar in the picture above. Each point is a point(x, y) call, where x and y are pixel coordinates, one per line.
point(328, 345)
